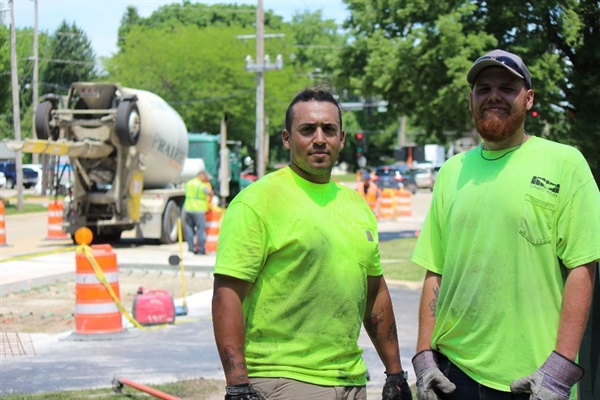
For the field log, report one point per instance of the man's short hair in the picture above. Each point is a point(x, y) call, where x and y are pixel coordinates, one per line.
point(321, 92)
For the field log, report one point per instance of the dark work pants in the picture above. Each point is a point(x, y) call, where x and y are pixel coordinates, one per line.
point(468, 389)
point(195, 221)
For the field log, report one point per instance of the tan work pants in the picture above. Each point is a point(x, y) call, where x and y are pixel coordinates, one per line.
point(289, 389)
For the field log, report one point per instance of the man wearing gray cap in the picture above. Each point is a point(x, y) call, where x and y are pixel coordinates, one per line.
point(510, 245)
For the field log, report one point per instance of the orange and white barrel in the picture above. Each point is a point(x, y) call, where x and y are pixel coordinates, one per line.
point(387, 204)
point(95, 310)
point(403, 203)
point(213, 227)
point(55, 219)
point(2, 225)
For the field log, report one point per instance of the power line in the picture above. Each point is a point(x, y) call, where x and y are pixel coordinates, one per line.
point(54, 60)
point(211, 99)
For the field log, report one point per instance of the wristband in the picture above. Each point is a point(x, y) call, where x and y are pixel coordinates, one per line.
point(402, 374)
point(236, 390)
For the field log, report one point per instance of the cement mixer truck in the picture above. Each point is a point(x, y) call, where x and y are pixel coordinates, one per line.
point(127, 148)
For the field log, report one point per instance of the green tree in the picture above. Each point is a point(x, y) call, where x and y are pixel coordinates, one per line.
point(130, 19)
point(71, 59)
point(24, 51)
point(5, 93)
point(415, 54)
point(200, 72)
point(192, 56)
point(216, 15)
point(317, 44)
point(200, 15)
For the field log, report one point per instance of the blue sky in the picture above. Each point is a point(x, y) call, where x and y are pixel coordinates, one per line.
point(100, 19)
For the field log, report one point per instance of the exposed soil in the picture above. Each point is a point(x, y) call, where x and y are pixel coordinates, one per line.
point(51, 308)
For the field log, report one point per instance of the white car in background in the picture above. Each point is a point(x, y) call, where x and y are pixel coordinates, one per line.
point(424, 175)
point(2, 179)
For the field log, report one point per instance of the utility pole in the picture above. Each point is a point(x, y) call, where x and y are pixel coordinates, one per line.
point(262, 64)
point(35, 98)
point(260, 90)
point(225, 168)
point(15, 98)
point(402, 131)
point(34, 88)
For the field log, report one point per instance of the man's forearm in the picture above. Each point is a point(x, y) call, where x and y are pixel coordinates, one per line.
point(577, 298)
point(427, 308)
point(229, 332)
point(380, 324)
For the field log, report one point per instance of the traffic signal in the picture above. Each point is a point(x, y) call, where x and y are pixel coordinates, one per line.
point(359, 139)
point(534, 114)
point(361, 143)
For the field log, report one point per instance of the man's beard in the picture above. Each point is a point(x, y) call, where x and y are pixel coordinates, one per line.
point(496, 129)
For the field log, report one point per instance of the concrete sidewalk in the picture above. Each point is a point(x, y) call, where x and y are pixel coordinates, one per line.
point(22, 273)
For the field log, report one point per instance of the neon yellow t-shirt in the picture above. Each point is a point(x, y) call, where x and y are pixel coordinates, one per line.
point(494, 232)
point(308, 248)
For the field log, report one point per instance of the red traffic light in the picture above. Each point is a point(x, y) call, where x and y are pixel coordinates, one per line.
point(534, 114)
point(359, 135)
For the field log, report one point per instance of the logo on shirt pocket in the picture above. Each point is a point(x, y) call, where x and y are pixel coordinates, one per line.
point(366, 245)
point(537, 220)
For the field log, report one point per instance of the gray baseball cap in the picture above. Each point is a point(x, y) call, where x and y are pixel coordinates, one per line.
point(500, 58)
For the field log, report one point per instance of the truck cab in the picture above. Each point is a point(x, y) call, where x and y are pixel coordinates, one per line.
point(226, 176)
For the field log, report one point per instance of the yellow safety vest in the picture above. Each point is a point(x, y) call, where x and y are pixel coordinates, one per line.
point(195, 198)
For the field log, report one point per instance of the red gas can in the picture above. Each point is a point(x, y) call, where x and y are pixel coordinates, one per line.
point(153, 307)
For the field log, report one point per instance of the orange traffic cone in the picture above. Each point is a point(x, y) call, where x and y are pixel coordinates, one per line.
point(55, 219)
point(2, 225)
point(213, 227)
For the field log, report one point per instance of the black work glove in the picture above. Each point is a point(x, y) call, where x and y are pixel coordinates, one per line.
point(552, 381)
point(244, 391)
point(430, 380)
point(396, 387)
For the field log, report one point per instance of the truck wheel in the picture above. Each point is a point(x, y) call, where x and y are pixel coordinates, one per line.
point(128, 123)
point(43, 116)
point(169, 223)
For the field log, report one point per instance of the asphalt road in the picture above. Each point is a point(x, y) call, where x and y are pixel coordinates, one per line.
point(27, 234)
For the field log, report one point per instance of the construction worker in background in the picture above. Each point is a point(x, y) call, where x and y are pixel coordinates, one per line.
point(369, 191)
point(206, 179)
point(197, 202)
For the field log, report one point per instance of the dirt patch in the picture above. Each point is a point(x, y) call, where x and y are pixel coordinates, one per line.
point(51, 308)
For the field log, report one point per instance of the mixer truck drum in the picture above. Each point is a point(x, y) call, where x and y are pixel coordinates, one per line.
point(43, 116)
point(128, 123)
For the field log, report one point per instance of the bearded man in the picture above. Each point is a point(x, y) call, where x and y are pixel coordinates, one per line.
point(510, 245)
